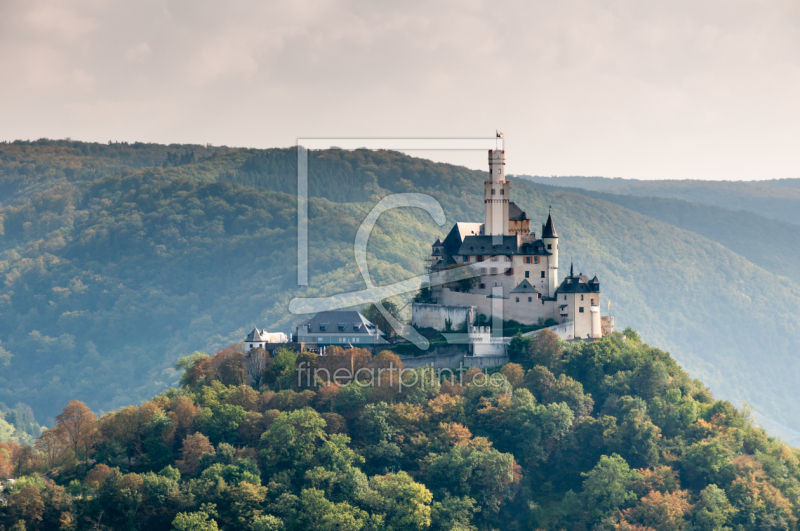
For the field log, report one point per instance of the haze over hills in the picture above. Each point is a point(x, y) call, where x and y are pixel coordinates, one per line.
point(774, 199)
point(108, 281)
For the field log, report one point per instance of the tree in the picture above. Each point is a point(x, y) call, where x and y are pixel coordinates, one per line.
point(713, 512)
point(514, 373)
point(26, 504)
point(77, 422)
point(662, 512)
point(608, 487)
point(374, 315)
point(545, 349)
point(51, 446)
point(256, 362)
point(97, 476)
point(195, 448)
point(196, 521)
point(404, 503)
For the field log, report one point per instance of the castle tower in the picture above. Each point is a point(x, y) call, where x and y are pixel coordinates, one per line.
point(550, 240)
point(495, 195)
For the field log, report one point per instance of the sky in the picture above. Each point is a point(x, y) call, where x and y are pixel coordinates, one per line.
point(695, 89)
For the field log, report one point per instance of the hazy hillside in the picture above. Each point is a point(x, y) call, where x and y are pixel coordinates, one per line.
point(108, 282)
point(775, 199)
point(768, 243)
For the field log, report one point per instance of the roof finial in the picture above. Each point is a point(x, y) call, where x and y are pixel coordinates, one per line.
point(571, 272)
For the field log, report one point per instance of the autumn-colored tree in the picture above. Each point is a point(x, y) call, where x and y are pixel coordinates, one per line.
point(230, 367)
point(24, 460)
point(662, 512)
point(244, 396)
point(514, 373)
point(7, 450)
point(26, 504)
point(78, 423)
point(195, 448)
point(182, 411)
point(97, 475)
point(51, 446)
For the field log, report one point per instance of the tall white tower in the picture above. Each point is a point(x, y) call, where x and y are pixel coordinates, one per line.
point(495, 195)
point(550, 241)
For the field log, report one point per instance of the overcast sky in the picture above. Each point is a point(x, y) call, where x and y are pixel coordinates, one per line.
point(636, 89)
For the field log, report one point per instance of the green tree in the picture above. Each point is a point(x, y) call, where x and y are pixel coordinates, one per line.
point(608, 487)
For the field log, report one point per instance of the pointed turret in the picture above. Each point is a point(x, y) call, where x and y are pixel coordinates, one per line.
point(550, 241)
point(548, 229)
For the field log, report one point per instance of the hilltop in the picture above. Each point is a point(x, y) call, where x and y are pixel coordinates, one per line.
point(605, 435)
point(110, 278)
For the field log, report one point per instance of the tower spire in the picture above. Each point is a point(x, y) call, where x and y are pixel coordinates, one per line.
point(571, 271)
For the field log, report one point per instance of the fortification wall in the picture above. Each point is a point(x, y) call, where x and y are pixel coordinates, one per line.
point(436, 315)
point(523, 312)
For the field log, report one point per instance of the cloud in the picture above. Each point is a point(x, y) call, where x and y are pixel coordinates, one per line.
point(138, 53)
point(622, 88)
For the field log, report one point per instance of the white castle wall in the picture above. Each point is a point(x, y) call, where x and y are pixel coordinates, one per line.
point(436, 315)
point(523, 312)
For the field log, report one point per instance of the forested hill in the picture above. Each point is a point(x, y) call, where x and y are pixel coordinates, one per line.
point(608, 435)
point(108, 279)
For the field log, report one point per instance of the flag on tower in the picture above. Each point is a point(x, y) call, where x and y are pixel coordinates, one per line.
point(499, 133)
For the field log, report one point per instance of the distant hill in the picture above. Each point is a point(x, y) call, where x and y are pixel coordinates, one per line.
point(108, 281)
point(768, 243)
point(775, 199)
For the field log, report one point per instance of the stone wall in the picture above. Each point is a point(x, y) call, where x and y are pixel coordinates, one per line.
point(436, 316)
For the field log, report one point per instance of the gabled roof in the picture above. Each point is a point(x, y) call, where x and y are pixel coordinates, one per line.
point(579, 283)
point(548, 229)
point(350, 321)
point(524, 287)
point(515, 213)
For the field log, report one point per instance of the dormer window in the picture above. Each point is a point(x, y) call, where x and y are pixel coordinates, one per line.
point(323, 327)
point(342, 326)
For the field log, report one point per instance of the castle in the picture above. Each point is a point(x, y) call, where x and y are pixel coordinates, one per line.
point(518, 278)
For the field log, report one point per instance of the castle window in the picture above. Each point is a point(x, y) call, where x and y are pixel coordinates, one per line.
point(527, 259)
point(535, 259)
point(494, 270)
point(580, 310)
point(549, 246)
point(483, 271)
point(502, 192)
point(493, 191)
point(481, 286)
point(527, 274)
point(530, 299)
point(565, 297)
point(581, 297)
point(508, 258)
point(540, 296)
point(517, 299)
point(542, 274)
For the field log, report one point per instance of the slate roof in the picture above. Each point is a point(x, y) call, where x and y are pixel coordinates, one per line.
point(478, 245)
point(515, 213)
point(256, 336)
point(339, 321)
point(524, 287)
point(548, 229)
point(579, 283)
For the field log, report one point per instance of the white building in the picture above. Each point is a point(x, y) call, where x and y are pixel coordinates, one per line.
point(518, 271)
point(261, 338)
